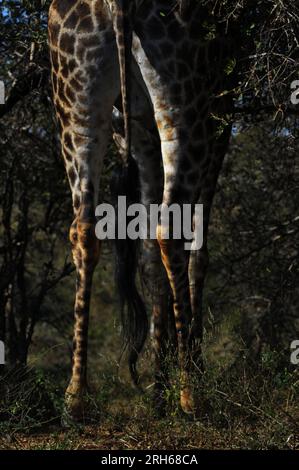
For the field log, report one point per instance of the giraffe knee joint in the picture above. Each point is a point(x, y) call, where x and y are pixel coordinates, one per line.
point(86, 234)
point(73, 235)
point(89, 243)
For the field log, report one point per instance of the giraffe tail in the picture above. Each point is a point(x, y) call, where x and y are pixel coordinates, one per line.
point(122, 23)
point(133, 313)
point(132, 308)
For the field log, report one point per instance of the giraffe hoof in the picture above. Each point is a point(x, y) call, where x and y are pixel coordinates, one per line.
point(67, 419)
point(74, 408)
point(75, 405)
point(188, 402)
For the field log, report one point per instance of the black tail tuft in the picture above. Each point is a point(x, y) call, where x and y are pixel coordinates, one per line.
point(133, 312)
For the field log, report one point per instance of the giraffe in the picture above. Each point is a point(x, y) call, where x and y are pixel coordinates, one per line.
point(147, 68)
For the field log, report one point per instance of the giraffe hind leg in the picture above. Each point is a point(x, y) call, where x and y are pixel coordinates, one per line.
point(86, 252)
point(85, 79)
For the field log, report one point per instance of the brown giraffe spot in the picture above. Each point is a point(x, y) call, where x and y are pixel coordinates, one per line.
point(90, 41)
point(82, 98)
point(76, 163)
point(79, 76)
point(93, 54)
point(69, 93)
point(91, 70)
point(71, 21)
point(54, 60)
point(68, 141)
point(86, 212)
point(98, 12)
point(72, 176)
point(62, 7)
point(80, 53)
point(54, 33)
point(108, 36)
point(60, 125)
point(67, 155)
point(72, 64)
point(85, 25)
point(79, 140)
point(54, 82)
point(119, 23)
point(67, 43)
point(65, 71)
point(80, 120)
point(83, 9)
point(76, 201)
point(76, 85)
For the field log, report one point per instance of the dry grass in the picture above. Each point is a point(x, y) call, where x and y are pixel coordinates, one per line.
point(245, 405)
